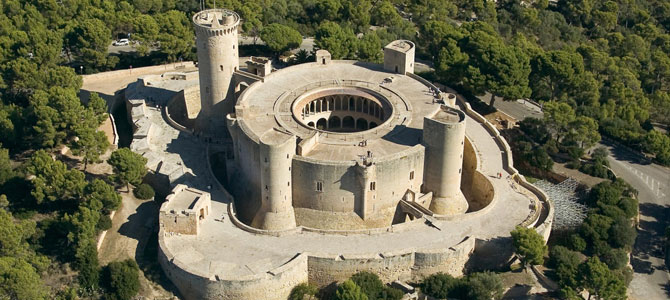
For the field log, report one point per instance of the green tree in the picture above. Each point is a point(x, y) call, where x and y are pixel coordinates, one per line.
point(558, 116)
point(494, 67)
point(301, 290)
point(89, 38)
point(175, 36)
point(340, 42)
point(53, 181)
point(6, 170)
point(385, 14)
point(98, 107)
point(529, 246)
point(440, 285)
point(348, 290)
point(280, 38)
point(583, 131)
point(98, 190)
point(90, 143)
point(19, 280)
point(566, 264)
point(122, 279)
point(369, 48)
point(599, 281)
point(484, 286)
point(129, 167)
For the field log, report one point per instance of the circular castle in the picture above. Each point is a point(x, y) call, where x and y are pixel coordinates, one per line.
point(324, 169)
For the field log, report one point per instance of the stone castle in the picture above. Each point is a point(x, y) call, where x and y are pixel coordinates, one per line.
point(320, 170)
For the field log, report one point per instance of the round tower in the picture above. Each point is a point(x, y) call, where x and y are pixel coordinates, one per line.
point(216, 42)
point(276, 157)
point(443, 137)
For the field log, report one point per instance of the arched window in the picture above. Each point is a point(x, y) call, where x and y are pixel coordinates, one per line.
point(334, 122)
point(361, 124)
point(322, 124)
point(348, 122)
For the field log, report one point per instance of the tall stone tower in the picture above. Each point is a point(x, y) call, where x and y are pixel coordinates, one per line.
point(216, 42)
point(276, 155)
point(443, 137)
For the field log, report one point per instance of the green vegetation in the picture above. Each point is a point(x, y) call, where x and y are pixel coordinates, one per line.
point(529, 246)
point(122, 278)
point(605, 238)
point(478, 286)
point(144, 192)
point(129, 167)
point(301, 290)
point(348, 290)
point(280, 38)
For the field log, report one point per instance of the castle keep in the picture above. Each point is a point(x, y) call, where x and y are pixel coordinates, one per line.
point(321, 170)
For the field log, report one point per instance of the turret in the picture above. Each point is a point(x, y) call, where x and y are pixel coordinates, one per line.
point(276, 155)
point(443, 137)
point(216, 41)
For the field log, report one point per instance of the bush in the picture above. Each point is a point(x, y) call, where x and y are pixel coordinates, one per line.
point(300, 290)
point(615, 258)
point(529, 246)
point(566, 263)
point(104, 223)
point(439, 285)
point(348, 290)
point(144, 192)
point(122, 279)
point(484, 286)
point(577, 243)
point(375, 288)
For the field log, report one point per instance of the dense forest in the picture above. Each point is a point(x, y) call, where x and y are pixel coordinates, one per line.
point(600, 68)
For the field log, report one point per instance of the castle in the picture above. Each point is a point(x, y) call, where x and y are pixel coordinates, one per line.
point(329, 168)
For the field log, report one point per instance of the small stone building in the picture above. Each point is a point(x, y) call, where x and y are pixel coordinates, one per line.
point(184, 210)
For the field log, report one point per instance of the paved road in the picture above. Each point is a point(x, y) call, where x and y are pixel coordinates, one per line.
point(650, 280)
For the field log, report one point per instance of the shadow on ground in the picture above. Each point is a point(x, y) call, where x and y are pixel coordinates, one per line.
point(650, 238)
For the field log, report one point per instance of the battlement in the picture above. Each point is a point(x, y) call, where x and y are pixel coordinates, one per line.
point(216, 21)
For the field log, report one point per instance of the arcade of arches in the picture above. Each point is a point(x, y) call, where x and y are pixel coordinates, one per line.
point(343, 113)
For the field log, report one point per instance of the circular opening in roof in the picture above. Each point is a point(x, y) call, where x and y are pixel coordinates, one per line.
point(349, 109)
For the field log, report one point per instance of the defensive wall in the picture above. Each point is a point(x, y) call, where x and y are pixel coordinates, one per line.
point(319, 269)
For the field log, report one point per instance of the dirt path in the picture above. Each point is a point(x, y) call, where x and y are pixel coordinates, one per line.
point(132, 228)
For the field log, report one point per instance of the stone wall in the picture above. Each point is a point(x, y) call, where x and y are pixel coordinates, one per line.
point(274, 284)
point(319, 269)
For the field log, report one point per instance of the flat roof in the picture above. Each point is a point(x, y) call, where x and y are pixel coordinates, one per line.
point(184, 199)
point(400, 45)
point(267, 104)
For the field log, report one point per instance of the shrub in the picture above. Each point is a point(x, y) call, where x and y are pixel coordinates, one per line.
point(529, 246)
point(144, 192)
point(104, 223)
point(577, 243)
point(369, 283)
point(122, 279)
point(439, 285)
point(622, 234)
point(348, 290)
point(484, 286)
point(300, 290)
point(390, 293)
point(566, 263)
point(615, 258)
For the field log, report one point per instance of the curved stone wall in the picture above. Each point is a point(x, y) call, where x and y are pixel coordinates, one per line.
point(216, 40)
point(274, 284)
point(325, 193)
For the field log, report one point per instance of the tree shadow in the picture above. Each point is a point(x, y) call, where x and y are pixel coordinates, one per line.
point(650, 240)
point(621, 154)
point(492, 254)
